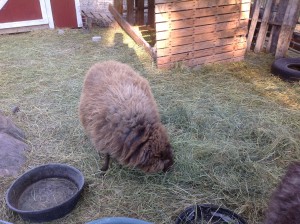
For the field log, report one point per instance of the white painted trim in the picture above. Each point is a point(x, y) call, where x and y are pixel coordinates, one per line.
point(43, 9)
point(23, 23)
point(42, 21)
point(78, 13)
point(49, 14)
point(2, 3)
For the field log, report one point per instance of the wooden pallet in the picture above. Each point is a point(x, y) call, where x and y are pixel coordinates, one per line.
point(200, 32)
point(279, 18)
point(295, 42)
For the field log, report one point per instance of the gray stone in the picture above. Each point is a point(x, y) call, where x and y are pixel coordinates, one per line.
point(12, 147)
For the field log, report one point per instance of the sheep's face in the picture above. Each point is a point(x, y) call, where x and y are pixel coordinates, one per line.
point(156, 152)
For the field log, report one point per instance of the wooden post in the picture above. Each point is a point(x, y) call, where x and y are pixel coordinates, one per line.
point(140, 12)
point(289, 22)
point(151, 13)
point(118, 4)
point(276, 29)
point(263, 28)
point(130, 11)
point(274, 9)
point(253, 23)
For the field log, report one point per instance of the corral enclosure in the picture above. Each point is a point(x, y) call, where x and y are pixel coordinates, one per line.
point(193, 32)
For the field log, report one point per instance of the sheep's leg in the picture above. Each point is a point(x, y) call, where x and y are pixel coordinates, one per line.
point(106, 163)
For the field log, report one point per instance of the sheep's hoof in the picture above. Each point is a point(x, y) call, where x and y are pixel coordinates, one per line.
point(106, 163)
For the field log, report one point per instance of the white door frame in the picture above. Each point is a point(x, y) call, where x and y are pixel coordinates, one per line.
point(46, 17)
point(2, 3)
point(78, 13)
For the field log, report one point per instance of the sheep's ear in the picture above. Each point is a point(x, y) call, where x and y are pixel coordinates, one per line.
point(134, 141)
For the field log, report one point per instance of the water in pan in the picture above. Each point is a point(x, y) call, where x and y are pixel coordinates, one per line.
point(46, 193)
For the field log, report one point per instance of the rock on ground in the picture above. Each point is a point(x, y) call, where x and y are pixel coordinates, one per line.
point(12, 147)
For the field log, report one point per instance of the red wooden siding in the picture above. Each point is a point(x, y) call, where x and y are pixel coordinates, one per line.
point(64, 13)
point(20, 10)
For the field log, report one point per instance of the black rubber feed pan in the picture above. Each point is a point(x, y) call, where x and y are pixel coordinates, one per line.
point(208, 214)
point(46, 192)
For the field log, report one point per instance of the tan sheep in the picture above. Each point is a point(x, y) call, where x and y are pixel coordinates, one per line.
point(120, 116)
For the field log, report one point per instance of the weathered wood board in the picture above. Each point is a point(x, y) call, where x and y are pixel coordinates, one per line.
point(197, 32)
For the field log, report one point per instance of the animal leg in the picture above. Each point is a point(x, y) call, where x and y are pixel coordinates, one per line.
point(106, 162)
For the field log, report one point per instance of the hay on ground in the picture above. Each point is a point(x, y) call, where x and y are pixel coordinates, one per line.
point(234, 127)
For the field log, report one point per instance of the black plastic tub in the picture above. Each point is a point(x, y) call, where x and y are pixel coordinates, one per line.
point(207, 213)
point(46, 192)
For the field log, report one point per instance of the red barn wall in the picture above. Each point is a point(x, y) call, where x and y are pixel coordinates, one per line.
point(20, 10)
point(64, 13)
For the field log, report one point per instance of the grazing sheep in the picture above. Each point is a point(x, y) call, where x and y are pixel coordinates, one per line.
point(284, 205)
point(120, 116)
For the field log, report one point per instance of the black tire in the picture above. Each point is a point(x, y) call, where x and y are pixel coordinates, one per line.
point(287, 68)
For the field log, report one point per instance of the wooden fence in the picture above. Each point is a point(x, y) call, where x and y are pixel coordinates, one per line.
point(192, 32)
point(198, 32)
point(272, 26)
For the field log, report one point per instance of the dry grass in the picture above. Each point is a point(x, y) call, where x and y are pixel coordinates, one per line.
point(234, 127)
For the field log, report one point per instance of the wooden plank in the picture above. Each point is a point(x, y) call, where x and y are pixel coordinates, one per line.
point(222, 18)
point(174, 50)
point(180, 15)
point(151, 13)
point(179, 24)
point(232, 2)
point(161, 17)
point(282, 6)
point(196, 47)
point(181, 49)
point(211, 19)
point(180, 6)
point(130, 12)
point(218, 58)
point(201, 30)
point(204, 45)
point(168, 1)
point(174, 25)
point(118, 4)
point(201, 61)
point(287, 28)
point(225, 41)
point(131, 32)
point(174, 33)
point(271, 22)
point(263, 28)
point(175, 42)
point(140, 8)
point(174, 6)
point(231, 8)
point(220, 15)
